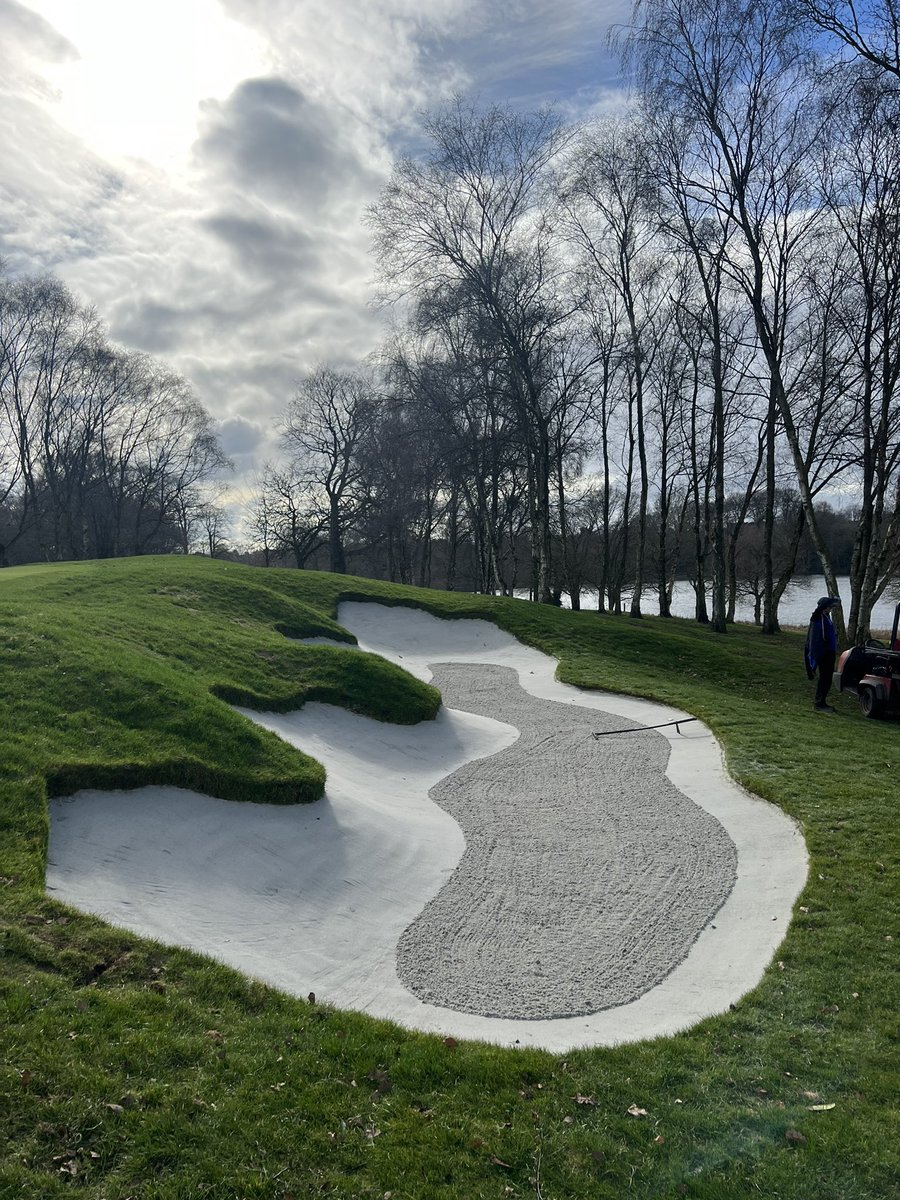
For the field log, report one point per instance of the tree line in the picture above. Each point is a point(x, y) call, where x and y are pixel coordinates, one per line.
point(103, 451)
point(658, 342)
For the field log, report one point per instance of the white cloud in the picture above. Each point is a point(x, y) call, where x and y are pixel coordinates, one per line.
point(28, 39)
point(141, 69)
point(198, 169)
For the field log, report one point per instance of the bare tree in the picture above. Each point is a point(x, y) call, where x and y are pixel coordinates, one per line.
point(861, 185)
point(608, 200)
point(452, 370)
point(469, 213)
point(102, 449)
point(322, 430)
point(262, 519)
point(295, 523)
point(872, 29)
point(571, 365)
point(736, 75)
point(601, 307)
point(670, 382)
point(178, 450)
point(42, 332)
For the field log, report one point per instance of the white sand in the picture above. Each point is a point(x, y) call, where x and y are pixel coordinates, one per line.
point(317, 898)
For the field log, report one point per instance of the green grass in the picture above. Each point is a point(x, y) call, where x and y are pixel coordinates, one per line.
point(129, 1069)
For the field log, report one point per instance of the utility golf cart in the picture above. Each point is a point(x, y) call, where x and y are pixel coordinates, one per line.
point(872, 673)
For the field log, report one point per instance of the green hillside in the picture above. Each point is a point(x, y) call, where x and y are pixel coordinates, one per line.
point(129, 1069)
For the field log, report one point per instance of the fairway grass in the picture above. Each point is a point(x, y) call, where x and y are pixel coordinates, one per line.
point(130, 1069)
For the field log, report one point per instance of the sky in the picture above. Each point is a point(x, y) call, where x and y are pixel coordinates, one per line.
point(199, 170)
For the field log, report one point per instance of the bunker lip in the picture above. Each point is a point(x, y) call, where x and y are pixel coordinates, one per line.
point(316, 898)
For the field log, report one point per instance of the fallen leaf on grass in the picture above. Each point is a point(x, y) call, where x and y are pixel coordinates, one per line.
point(498, 1162)
point(25, 1078)
point(810, 1095)
point(795, 1137)
point(634, 1111)
point(821, 1107)
point(451, 1042)
point(116, 1108)
point(214, 1035)
point(658, 1140)
point(588, 1101)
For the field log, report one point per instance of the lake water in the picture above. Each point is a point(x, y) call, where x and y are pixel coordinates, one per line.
point(795, 608)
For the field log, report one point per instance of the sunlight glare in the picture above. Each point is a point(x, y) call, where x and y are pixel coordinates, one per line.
point(143, 70)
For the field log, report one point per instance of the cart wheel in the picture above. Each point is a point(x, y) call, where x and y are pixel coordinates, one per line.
point(869, 703)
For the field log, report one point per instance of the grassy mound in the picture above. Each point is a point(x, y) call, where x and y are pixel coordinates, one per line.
point(133, 1070)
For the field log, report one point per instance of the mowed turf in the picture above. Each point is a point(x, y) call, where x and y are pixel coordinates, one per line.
point(130, 1069)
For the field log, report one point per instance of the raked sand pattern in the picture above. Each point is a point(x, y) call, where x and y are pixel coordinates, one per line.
point(497, 860)
point(587, 876)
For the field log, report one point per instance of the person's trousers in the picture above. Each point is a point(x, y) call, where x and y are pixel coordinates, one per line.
point(826, 671)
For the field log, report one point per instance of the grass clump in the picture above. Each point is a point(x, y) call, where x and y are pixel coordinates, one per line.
point(130, 1069)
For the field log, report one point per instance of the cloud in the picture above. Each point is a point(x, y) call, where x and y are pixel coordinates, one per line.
point(239, 437)
point(54, 193)
point(367, 58)
point(28, 32)
point(266, 245)
point(272, 141)
point(153, 326)
point(242, 259)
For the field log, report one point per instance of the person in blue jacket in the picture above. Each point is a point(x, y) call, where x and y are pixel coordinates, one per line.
point(821, 650)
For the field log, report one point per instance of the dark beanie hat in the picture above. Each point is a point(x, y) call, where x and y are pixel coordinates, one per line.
point(829, 602)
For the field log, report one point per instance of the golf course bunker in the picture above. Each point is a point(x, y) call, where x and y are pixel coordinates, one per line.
point(587, 875)
point(497, 874)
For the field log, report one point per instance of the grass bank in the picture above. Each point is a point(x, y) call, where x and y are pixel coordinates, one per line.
point(129, 1069)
